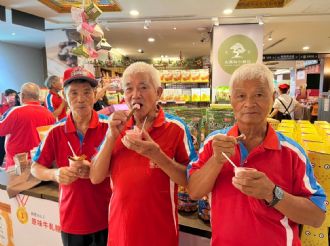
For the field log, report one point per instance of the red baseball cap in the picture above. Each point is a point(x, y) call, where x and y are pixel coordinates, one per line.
point(284, 86)
point(78, 73)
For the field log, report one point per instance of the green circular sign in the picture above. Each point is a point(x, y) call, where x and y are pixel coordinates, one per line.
point(235, 51)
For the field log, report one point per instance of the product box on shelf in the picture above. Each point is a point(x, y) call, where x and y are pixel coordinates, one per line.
point(195, 75)
point(176, 76)
point(205, 94)
point(185, 76)
point(204, 75)
point(195, 94)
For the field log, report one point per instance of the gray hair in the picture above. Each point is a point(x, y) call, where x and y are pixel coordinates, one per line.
point(253, 71)
point(51, 80)
point(30, 91)
point(142, 67)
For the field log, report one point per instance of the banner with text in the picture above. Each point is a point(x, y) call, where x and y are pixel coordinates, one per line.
point(233, 46)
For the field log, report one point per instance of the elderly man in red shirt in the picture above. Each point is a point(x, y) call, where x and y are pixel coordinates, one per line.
point(83, 205)
point(19, 123)
point(54, 102)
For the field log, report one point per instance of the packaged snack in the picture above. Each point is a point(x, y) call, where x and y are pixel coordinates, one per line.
point(204, 209)
point(185, 204)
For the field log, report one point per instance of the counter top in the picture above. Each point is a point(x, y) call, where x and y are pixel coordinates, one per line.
point(49, 190)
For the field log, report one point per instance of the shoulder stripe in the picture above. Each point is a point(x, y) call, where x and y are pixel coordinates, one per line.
point(212, 135)
point(187, 139)
point(49, 102)
point(309, 180)
point(10, 111)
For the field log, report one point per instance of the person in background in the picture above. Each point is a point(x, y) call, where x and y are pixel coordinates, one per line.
point(272, 188)
point(10, 101)
point(19, 123)
point(54, 102)
point(100, 98)
point(284, 104)
point(83, 205)
point(145, 168)
point(314, 111)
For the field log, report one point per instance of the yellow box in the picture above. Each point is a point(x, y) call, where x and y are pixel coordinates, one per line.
point(319, 156)
point(289, 121)
point(311, 138)
point(320, 122)
point(311, 236)
point(308, 130)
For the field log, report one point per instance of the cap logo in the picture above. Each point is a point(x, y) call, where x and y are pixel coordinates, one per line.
point(79, 72)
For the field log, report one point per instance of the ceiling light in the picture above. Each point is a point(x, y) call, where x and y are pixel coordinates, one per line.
point(151, 40)
point(215, 21)
point(174, 28)
point(270, 37)
point(260, 20)
point(147, 24)
point(140, 50)
point(227, 11)
point(134, 12)
point(306, 48)
point(13, 33)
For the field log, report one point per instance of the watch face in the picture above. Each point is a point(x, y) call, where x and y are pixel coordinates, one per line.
point(278, 192)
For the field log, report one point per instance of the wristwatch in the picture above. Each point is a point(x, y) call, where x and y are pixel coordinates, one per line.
point(278, 195)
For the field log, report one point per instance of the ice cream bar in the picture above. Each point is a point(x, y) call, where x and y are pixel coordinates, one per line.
point(135, 107)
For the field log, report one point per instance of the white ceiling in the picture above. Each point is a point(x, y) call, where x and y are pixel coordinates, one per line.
point(300, 23)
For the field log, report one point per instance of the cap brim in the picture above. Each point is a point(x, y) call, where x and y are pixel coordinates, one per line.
point(92, 82)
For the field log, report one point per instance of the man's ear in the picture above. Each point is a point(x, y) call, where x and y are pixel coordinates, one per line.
point(159, 92)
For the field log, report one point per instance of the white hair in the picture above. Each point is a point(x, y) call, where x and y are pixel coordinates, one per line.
point(142, 67)
point(253, 71)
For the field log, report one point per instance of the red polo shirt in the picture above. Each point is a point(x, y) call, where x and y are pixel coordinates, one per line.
point(143, 207)
point(52, 102)
point(238, 219)
point(3, 108)
point(19, 124)
point(83, 205)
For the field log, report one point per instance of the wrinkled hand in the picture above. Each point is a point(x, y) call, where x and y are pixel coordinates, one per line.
point(80, 168)
point(145, 146)
point(65, 175)
point(223, 143)
point(117, 123)
point(254, 183)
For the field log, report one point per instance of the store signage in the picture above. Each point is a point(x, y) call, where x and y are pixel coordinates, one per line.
point(289, 57)
point(233, 46)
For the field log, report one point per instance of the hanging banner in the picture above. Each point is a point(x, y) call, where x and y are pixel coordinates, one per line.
point(233, 46)
point(59, 44)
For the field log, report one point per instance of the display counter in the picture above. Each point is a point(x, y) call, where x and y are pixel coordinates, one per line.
point(31, 218)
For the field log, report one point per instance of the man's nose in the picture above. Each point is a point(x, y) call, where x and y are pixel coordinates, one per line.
point(250, 101)
point(136, 93)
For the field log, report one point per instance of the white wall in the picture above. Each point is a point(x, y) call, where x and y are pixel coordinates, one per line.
point(20, 64)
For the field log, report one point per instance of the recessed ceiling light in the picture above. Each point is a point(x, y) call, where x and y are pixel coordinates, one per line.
point(201, 29)
point(147, 24)
point(13, 33)
point(151, 40)
point(215, 21)
point(140, 50)
point(134, 12)
point(306, 48)
point(228, 11)
point(174, 28)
